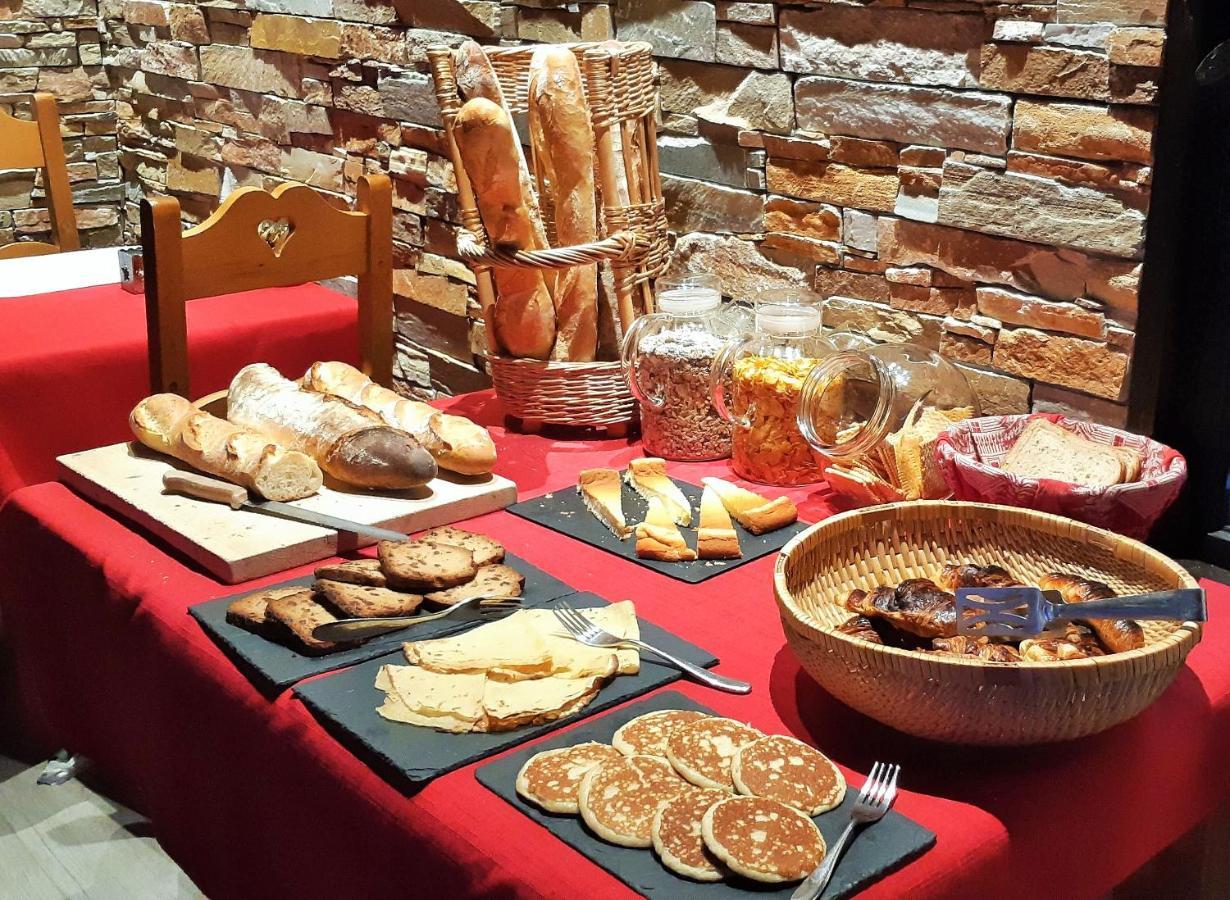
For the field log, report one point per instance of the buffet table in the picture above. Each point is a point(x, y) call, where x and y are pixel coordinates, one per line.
point(253, 797)
point(73, 363)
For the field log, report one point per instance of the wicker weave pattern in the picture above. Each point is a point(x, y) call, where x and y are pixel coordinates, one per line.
point(567, 393)
point(967, 700)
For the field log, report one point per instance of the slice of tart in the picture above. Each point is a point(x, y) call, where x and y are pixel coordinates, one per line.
point(755, 513)
point(659, 538)
point(601, 491)
point(647, 476)
point(716, 537)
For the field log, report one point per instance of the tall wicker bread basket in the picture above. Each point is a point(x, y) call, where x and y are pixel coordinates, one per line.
point(621, 87)
point(962, 700)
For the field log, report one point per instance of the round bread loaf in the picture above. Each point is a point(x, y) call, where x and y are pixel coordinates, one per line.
point(551, 779)
point(677, 837)
point(703, 751)
point(784, 769)
point(647, 734)
point(619, 798)
point(762, 839)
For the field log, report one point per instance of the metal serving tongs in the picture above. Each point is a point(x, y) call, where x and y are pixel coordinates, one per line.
point(474, 609)
point(1020, 613)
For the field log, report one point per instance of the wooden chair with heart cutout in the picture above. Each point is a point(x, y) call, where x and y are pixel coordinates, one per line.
point(36, 144)
point(262, 239)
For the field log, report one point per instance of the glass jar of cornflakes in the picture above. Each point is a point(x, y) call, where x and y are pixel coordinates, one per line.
point(667, 357)
point(763, 377)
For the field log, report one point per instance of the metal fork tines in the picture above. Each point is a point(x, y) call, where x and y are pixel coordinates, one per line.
point(588, 632)
point(874, 800)
point(474, 609)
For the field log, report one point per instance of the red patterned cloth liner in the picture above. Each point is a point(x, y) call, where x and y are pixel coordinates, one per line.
point(970, 453)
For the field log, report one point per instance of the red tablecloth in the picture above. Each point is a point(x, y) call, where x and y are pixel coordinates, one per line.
point(254, 798)
point(73, 364)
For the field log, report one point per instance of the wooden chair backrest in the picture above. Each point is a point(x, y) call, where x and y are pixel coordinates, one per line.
point(36, 144)
point(261, 239)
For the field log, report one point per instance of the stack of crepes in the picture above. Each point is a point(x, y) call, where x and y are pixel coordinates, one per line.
point(903, 466)
point(522, 670)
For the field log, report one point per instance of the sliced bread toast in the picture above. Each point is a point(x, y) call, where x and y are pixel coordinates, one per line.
point(1046, 450)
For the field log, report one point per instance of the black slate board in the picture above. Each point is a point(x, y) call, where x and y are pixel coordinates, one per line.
point(408, 756)
point(564, 511)
point(875, 851)
point(271, 665)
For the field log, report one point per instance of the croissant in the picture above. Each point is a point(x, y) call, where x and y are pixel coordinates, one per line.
point(968, 575)
point(860, 627)
point(981, 648)
point(917, 606)
point(1117, 635)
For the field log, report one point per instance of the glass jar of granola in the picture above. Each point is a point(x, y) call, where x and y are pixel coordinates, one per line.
point(667, 357)
point(763, 377)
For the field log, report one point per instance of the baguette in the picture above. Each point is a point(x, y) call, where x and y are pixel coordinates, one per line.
point(351, 443)
point(170, 424)
point(563, 143)
point(456, 443)
point(524, 314)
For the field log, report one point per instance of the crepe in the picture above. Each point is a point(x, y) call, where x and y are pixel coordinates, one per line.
point(421, 697)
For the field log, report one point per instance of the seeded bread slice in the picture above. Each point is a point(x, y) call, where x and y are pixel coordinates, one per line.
point(1047, 450)
point(354, 571)
point(295, 616)
point(361, 601)
point(487, 551)
point(422, 566)
point(490, 581)
point(249, 612)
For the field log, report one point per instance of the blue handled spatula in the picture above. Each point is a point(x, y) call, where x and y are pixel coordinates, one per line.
point(1025, 612)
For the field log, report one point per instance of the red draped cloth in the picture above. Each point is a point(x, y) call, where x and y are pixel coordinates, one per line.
point(73, 364)
point(254, 798)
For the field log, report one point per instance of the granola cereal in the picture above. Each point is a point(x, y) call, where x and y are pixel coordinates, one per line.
point(675, 366)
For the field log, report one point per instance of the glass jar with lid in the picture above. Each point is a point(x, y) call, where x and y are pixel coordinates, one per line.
point(667, 357)
point(764, 375)
point(881, 401)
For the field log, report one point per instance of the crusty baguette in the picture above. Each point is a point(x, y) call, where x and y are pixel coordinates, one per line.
point(170, 424)
point(457, 444)
point(524, 314)
point(351, 443)
point(563, 142)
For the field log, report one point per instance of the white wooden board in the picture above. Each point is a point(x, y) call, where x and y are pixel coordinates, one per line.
point(236, 545)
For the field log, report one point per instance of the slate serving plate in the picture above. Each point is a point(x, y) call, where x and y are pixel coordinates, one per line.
point(876, 851)
point(272, 666)
point(564, 511)
point(409, 756)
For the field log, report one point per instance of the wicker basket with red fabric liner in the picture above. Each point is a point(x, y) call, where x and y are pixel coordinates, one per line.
point(970, 452)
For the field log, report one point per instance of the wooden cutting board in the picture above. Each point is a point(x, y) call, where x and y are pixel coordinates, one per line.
point(237, 545)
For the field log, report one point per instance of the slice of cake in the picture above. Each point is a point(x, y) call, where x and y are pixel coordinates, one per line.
point(755, 513)
point(716, 537)
point(659, 538)
point(648, 477)
point(601, 491)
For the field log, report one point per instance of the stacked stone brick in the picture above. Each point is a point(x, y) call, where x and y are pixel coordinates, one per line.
point(972, 175)
point(54, 46)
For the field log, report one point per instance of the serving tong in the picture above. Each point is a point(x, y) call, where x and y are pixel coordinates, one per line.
point(473, 609)
point(1024, 612)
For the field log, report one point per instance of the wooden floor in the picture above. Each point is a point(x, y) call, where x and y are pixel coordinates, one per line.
point(67, 841)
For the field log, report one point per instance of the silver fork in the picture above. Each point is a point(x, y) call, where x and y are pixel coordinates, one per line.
point(474, 609)
point(874, 800)
point(587, 632)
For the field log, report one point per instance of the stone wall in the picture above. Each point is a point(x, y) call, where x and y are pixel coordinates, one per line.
point(54, 46)
point(972, 175)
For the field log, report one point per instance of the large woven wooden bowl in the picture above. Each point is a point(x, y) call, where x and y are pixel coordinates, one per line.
point(960, 700)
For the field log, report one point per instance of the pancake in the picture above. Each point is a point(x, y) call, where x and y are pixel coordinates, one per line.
point(618, 798)
point(762, 839)
point(551, 779)
point(702, 751)
point(677, 839)
point(647, 734)
point(788, 771)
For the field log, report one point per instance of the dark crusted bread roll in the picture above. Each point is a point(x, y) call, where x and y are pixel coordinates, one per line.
point(1117, 635)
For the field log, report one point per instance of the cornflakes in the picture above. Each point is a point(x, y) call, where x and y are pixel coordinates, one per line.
point(768, 446)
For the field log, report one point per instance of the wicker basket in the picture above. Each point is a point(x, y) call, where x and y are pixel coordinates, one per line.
point(962, 700)
point(621, 88)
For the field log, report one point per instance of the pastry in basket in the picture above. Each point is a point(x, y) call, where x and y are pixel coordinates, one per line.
point(1076, 643)
point(677, 838)
point(966, 575)
point(1118, 635)
point(862, 628)
point(917, 606)
point(977, 647)
point(755, 513)
point(716, 537)
point(647, 476)
point(551, 779)
point(762, 839)
point(603, 496)
point(659, 538)
point(619, 798)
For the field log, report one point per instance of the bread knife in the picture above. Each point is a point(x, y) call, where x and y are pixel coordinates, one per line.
point(192, 484)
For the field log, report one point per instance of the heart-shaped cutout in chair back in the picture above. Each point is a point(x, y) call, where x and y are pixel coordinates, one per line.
point(275, 233)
